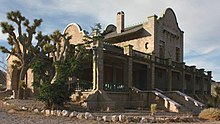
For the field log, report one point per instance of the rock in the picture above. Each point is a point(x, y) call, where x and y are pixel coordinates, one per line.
point(136, 119)
point(152, 120)
point(11, 111)
point(53, 112)
point(121, 118)
point(6, 103)
point(58, 112)
point(36, 110)
point(106, 118)
point(80, 115)
point(160, 120)
point(89, 116)
point(147, 120)
point(24, 108)
point(73, 114)
point(65, 113)
point(114, 118)
point(176, 119)
point(47, 112)
point(42, 111)
point(129, 119)
point(98, 118)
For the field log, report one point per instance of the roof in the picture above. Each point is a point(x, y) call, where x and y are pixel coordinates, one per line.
point(126, 31)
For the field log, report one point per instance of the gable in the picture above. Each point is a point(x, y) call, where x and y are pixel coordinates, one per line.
point(169, 20)
point(76, 33)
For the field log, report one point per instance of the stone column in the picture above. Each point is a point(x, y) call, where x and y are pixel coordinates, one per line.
point(128, 50)
point(183, 77)
point(94, 67)
point(202, 80)
point(153, 71)
point(209, 81)
point(193, 78)
point(170, 74)
point(98, 72)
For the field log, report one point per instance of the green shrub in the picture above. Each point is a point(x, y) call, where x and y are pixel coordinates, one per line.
point(54, 95)
point(210, 114)
point(153, 108)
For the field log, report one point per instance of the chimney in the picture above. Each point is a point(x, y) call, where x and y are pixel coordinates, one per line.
point(120, 22)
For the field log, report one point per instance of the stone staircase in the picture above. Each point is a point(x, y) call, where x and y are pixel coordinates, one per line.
point(157, 97)
point(187, 103)
point(93, 100)
point(174, 101)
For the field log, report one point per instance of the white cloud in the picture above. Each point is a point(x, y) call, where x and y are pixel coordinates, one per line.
point(198, 19)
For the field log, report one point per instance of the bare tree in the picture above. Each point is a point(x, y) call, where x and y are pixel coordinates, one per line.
point(21, 44)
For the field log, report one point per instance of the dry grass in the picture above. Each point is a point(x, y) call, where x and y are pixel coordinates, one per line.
point(210, 114)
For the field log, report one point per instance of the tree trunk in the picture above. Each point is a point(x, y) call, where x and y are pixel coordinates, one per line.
point(22, 90)
point(55, 75)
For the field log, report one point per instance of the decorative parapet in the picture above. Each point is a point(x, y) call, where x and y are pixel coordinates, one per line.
point(139, 54)
point(161, 61)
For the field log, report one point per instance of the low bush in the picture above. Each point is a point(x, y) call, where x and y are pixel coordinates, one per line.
point(210, 114)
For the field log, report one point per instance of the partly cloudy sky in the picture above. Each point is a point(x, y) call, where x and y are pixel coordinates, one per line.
point(199, 19)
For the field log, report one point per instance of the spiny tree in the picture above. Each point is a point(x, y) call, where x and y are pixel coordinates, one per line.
point(96, 33)
point(63, 61)
point(20, 38)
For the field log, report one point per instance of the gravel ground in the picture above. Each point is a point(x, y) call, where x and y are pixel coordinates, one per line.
point(9, 115)
point(30, 118)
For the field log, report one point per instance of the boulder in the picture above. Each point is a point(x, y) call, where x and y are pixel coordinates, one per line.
point(11, 111)
point(42, 111)
point(98, 118)
point(106, 118)
point(58, 112)
point(24, 108)
point(36, 110)
point(136, 119)
point(6, 103)
point(114, 118)
point(89, 116)
point(80, 115)
point(53, 112)
point(129, 119)
point(65, 113)
point(144, 120)
point(47, 112)
point(73, 114)
point(121, 118)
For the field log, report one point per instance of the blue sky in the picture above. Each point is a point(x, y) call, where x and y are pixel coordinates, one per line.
point(198, 19)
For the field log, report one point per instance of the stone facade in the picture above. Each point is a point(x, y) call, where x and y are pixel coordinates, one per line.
point(136, 66)
point(137, 61)
point(151, 54)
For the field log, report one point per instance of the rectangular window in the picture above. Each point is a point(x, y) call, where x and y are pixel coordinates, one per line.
point(177, 54)
point(162, 49)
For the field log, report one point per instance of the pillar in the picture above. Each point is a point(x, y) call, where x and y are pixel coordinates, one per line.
point(170, 74)
point(209, 82)
point(202, 80)
point(98, 73)
point(153, 71)
point(128, 50)
point(193, 79)
point(94, 67)
point(183, 77)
